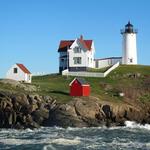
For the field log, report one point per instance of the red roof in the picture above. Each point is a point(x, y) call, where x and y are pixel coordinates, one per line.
point(23, 68)
point(80, 80)
point(65, 44)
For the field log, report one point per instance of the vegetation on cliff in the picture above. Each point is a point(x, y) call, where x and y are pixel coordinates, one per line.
point(126, 82)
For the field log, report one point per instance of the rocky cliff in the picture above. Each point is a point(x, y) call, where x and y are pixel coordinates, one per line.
point(18, 110)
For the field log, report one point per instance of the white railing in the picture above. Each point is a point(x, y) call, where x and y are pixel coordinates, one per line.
point(90, 74)
point(111, 69)
point(65, 72)
point(84, 74)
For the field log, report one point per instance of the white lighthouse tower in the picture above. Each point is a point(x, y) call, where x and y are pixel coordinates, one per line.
point(129, 45)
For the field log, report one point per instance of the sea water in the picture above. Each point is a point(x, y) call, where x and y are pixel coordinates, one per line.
point(131, 137)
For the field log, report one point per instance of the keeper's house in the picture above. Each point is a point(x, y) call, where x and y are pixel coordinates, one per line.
point(76, 55)
point(19, 72)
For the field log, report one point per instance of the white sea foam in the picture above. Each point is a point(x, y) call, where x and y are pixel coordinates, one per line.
point(128, 144)
point(47, 147)
point(132, 124)
point(85, 128)
point(15, 141)
point(148, 145)
point(125, 144)
point(59, 141)
point(92, 146)
point(63, 141)
point(29, 130)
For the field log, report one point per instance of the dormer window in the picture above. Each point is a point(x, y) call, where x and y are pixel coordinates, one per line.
point(77, 49)
point(15, 70)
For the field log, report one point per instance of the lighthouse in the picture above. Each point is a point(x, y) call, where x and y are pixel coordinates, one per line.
point(129, 45)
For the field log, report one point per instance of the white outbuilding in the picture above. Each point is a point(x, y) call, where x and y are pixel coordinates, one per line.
point(19, 72)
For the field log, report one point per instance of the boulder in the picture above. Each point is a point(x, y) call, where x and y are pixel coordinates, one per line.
point(86, 108)
point(40, 115)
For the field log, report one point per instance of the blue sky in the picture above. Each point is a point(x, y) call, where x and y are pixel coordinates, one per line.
point(30, 30)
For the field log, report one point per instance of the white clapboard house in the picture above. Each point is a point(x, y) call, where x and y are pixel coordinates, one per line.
point(19, 72)
point(76, 55)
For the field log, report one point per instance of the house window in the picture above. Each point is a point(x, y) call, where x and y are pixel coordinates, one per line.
point(77, 50)
point(15, 70)
point(77, 60)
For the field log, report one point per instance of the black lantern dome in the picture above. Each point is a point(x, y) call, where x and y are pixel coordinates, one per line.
point(129, 24)
point(128, 28)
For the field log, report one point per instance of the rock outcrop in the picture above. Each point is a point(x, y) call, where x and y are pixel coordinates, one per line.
point(23, 111)
point(89, 112)
point(19, 110)
point(18, 85)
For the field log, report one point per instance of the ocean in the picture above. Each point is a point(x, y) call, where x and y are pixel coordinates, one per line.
point(131, 137)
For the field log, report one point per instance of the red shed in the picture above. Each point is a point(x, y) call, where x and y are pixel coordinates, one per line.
point(79, 87)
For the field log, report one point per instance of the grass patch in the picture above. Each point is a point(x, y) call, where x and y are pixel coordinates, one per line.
point(101, 70)
point(145, 98)
point(58, 86)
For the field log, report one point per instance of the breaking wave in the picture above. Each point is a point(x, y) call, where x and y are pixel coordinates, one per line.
point(130, 137)
point(132, 124)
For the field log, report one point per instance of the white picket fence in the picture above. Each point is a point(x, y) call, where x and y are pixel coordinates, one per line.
point(90, 74)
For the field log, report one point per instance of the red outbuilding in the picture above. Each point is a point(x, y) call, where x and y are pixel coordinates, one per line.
point(79, 87)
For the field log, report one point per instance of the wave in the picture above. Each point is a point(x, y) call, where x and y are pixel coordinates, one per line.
point(128, 124)
point(14, 141)
point(131, 136)
point(63, 141)
point(47, 147)
point(54, 140)
point(132, 124)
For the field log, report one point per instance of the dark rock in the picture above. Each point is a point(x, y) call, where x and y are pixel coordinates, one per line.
point(31, 111)
point(21, 99)
point(107, 111)
point(40, 115)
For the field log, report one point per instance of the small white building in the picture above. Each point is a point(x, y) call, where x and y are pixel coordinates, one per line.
point(19, 72)
point(76, 55)
point(106, 62)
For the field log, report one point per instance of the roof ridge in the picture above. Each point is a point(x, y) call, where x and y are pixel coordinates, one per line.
point(23, 68)
point(64, 44)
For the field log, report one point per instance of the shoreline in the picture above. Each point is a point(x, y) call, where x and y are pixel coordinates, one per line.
point(21, 111)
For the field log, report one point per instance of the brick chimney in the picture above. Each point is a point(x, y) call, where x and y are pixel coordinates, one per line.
point(81, 37)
